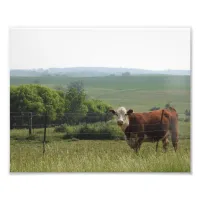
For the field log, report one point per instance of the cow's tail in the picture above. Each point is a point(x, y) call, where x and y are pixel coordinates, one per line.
point(173, 111)
point(174, 127)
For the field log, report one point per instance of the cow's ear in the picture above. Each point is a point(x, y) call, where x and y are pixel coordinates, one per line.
point(112, 111)
point(129, 111)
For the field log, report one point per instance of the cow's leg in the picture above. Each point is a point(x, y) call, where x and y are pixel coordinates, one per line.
point(174, 133)
point(157, 146)
point(131, 143)
point(139, 143)
point(165, 143)
point(137, 148)
point(174, 140)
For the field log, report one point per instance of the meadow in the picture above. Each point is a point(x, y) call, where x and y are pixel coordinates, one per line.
point(67, 155)
point(73, 155)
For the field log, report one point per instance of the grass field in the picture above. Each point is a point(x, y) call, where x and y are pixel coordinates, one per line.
point(97, 156)
point(137, 92)
point(94, 155)
point(146, 82)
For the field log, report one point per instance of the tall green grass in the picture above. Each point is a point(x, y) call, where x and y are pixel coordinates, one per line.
point(97, 156)
point(64, 154)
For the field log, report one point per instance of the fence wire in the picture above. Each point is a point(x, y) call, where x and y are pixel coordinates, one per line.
point(31, 120)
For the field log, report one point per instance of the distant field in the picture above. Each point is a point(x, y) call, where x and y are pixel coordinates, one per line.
point(147, 82)
point(137, 92)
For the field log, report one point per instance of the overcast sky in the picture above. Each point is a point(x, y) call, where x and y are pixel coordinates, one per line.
point(144, 48)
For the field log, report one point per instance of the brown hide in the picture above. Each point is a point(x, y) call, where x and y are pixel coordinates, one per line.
point(153, 126)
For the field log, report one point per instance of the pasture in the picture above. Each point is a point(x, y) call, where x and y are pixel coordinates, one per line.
point(67, 155)
point(70, 155)
point(73, 155)
point(96, 156)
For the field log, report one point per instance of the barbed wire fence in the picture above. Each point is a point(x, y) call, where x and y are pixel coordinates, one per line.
point(32, 120)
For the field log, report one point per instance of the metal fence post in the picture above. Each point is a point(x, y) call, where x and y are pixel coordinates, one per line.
point(45, 126)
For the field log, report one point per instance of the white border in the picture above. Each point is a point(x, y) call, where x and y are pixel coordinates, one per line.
point(154, 13)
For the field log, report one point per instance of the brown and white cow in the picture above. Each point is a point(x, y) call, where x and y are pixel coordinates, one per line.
point(148, 127)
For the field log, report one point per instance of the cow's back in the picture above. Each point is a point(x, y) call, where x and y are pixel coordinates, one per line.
point(153, 124)
point(153, 117)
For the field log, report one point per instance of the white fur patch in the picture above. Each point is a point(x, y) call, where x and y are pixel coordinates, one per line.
point(121, 116)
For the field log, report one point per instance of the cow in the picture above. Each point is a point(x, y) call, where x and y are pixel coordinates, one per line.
point(148, 127)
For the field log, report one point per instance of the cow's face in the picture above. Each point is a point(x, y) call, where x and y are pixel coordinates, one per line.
point(121, 115)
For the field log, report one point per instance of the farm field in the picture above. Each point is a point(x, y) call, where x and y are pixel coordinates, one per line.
point(68, 155)
point(137, 92)
point(94, 155)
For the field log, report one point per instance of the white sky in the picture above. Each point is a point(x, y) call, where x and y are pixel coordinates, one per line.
point(144, 48)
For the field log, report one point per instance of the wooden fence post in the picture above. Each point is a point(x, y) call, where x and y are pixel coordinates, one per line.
point(30, 123)
point(45, 126)
point(22, 119)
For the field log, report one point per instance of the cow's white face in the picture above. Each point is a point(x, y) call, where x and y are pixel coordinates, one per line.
point(122, 120)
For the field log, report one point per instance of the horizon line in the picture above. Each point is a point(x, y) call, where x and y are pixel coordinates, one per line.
point(102, 67)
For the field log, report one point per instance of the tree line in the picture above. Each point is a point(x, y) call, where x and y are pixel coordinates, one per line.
point(70, 105)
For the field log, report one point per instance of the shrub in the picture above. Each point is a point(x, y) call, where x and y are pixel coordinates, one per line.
point(154, 108)
point(74, 139)
point(97, 111)
point(61, 128)
point(91, 131)
point(187, 115)
point(169, 104)
point(64, 128)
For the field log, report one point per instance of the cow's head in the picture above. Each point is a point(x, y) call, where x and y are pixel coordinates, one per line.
point(123, 121)
point(121, 115)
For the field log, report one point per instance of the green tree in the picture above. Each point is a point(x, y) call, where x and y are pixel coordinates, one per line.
point(37, 99)
point(60, 87)
point(74, 103)
point(97, 111)
point(78, 85)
